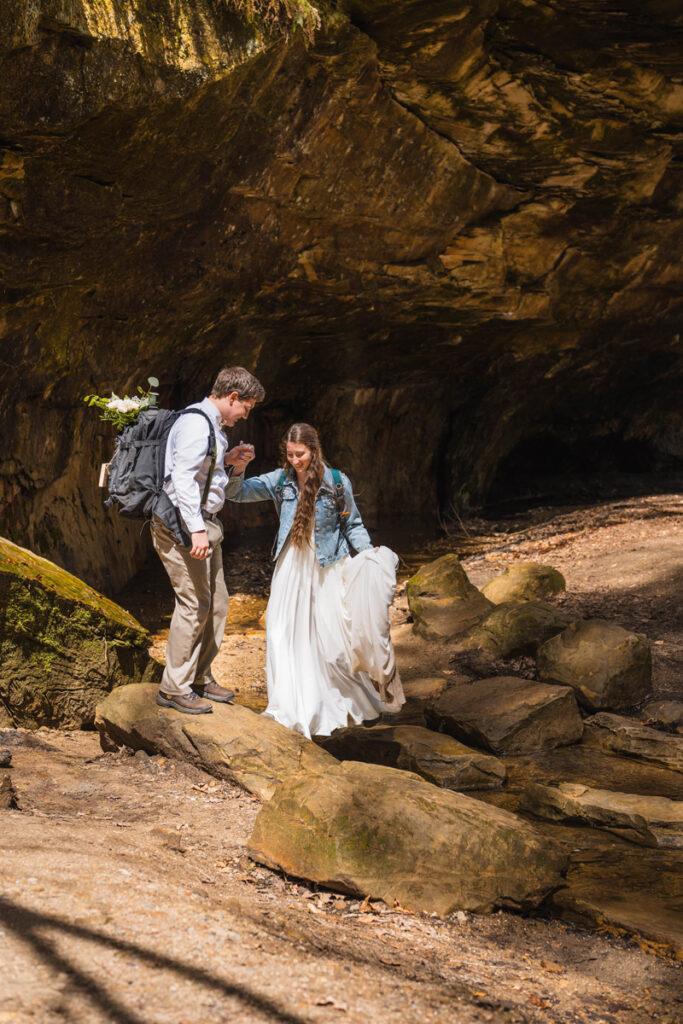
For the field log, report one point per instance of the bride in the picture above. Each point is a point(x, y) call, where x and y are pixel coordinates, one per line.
point(330, 660)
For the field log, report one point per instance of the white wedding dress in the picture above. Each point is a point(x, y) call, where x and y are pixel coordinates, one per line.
point(328, 638)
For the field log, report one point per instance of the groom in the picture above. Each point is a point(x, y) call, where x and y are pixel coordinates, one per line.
point(198, 489)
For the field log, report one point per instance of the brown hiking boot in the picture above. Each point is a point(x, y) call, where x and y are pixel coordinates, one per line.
point(212, 690)
point(187, 703)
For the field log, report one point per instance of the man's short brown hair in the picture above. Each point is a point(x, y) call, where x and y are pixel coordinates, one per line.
point(236, 378)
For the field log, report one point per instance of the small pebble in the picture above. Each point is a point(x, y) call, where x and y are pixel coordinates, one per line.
point(5, 758)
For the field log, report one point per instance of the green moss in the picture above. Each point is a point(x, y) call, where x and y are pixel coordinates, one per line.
point(64, 646)
point(28, 567)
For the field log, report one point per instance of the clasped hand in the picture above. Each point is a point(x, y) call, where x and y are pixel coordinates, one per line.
point(240, 456)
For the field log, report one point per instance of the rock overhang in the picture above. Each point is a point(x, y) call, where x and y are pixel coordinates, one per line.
point(450, 234)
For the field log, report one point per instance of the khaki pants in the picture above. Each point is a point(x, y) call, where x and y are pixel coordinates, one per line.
point(201, 608)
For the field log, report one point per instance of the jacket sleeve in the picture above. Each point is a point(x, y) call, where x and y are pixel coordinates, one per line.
point(352, 524)
point(258, 488)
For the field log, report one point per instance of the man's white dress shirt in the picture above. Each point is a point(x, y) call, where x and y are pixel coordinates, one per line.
point(188, 462)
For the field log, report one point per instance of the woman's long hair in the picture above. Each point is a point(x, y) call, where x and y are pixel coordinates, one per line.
point(304, 433)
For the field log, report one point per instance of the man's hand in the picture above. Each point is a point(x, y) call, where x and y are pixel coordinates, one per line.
point(239, 457)
point(200, 544)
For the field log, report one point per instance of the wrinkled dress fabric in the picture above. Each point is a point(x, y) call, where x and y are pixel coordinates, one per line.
point(328, 639)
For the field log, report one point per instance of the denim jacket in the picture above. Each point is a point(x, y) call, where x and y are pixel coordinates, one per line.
point(335, 532)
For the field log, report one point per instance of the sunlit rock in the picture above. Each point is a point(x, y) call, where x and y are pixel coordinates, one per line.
point(608, 666)
point(524, 581)
point(619, 735)
point(436, 757)
point(508, 715)
point(443, 602)
point(647, 820)
point(231, 743)
point(385, 833)
point(517, 627)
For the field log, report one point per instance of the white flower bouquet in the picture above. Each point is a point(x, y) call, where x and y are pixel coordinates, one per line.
point(123, 411)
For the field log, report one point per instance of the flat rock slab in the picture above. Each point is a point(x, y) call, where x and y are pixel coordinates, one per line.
point(387, 834)
point(443, 602)
point(424, 688)
point(608, 666)
point(646, 820)
point(231, 743)
point(657, 920)
point(64, 645)
point(524, 581)
point(508, 715)
point(517, 627)
point(436, 757)
point(620, 735)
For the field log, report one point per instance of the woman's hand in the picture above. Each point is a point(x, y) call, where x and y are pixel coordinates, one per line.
point(239, 457)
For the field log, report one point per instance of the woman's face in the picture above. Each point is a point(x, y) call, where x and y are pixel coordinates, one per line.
point(298, 456)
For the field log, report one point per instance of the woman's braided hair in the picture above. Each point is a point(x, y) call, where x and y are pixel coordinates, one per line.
point(304, 433)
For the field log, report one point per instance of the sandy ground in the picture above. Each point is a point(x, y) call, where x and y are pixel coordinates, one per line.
point(127, 895)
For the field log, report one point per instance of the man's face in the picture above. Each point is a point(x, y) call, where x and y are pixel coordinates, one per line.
point(233, 408)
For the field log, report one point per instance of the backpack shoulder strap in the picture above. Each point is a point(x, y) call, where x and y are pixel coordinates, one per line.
point(339, 492)
point(281, 483)
point(212, 451)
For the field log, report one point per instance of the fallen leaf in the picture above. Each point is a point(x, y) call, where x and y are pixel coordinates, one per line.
point(329, 1001)
point(550, 965)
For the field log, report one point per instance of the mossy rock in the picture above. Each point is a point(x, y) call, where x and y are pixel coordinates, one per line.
point(63, 645)
point(525, 581)
point(443, 602)
point(517, 627)
point(385, 833)
point(608, 667)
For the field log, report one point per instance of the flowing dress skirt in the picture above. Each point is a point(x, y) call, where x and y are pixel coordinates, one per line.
point(328, 638)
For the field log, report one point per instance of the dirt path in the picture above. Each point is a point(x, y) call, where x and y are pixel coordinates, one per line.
point(127, 895)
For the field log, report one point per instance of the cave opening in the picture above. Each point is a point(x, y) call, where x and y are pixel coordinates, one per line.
point(550, 469)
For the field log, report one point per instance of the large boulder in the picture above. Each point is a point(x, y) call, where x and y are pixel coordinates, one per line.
point(63, 645)
point(646, 820)
point(231, 743)
point(517, 627)
point(508, 715)
point(384, 833)
point(443, 602)
point(618, 735)
point(438, 758)
point(525, 581)
point(608, 666)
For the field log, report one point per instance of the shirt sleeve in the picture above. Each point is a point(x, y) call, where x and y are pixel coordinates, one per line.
point(190, 454)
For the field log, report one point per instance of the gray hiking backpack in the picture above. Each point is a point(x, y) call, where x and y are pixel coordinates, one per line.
point(136, 471)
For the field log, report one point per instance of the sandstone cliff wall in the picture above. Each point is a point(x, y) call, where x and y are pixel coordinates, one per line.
point(442, 229)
